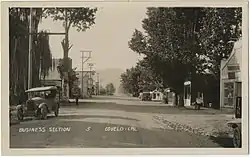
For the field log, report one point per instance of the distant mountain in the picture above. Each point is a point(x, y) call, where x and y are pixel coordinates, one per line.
point(111, 75)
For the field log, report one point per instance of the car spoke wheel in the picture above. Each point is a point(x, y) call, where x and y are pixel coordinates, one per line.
point(19, 115)
point(237, 137)
point(44, 113)
point(56, 112)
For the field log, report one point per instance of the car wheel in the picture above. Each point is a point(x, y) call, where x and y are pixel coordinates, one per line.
point(56, 112)
point(19, 115)
point(237, 137)
point(44, 113)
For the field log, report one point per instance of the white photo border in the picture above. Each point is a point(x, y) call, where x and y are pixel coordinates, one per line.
point(126, 151)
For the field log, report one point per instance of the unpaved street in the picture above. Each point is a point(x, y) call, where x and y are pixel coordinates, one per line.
point(105, 122)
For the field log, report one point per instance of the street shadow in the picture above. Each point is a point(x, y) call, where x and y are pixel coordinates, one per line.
point(223, 140)
point(115, 98)
point(140, 108)
point(93, 116)
point(26, 119)
point(191, 108)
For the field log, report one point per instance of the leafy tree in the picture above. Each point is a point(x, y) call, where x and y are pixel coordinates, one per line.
point(140, 78)
point(129, 80)
point(45, 56)
point(148, 80)
point(72, 79)
point(220, 26)
point(169, 44)
point(19, 50)
point(79, 18)
point(110, 89)
point(102, 90)
point(185, 43)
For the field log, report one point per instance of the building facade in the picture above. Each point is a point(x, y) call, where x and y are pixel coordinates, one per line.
point(230, 83)
point(53, 77)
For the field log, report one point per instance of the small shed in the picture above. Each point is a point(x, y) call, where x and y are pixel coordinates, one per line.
point(157, 95)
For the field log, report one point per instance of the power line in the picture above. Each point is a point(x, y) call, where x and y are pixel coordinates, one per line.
point(87, 58)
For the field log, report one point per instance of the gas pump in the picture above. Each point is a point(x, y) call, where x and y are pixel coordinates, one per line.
point(236, 123)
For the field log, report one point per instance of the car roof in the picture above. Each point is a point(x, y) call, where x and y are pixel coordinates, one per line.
point(40, 89)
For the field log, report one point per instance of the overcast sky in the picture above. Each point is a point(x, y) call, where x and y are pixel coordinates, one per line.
point(108, 38)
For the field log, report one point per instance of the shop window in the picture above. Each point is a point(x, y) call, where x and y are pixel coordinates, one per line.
point(231, 75)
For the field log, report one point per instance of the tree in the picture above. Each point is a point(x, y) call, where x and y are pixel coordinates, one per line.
point(71, 80)
point(220, 27)
point(148, 80)
point(184, 43)
point(19, 50)
point(140, 78)
point(79, 18)
point(110, 89)
point(129, 81)
point(102, 90)
point(169, 44)
point(45, 56)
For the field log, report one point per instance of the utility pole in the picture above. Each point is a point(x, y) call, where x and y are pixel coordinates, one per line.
point(87, 58)
point(90, 76)
point(30, 33)
point(98, 84)
point(30, 50)
point(82, 71)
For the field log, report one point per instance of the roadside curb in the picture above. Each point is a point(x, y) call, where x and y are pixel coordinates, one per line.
point(182, 127)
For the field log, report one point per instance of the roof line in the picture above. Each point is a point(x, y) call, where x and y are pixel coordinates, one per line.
point(231, 55)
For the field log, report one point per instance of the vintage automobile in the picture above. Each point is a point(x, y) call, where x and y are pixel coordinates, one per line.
point(146, 96)
point(41, 102)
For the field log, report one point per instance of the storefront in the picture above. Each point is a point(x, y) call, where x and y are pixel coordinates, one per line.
point(157, 95)
point(230, 83)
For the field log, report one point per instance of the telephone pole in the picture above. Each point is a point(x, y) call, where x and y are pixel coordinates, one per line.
point(98, 84)
point(90, 76)
point(83, 61)
point(30, 50)
point(30, 33)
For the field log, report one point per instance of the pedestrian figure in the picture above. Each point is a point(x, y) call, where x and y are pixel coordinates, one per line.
point(77, 97)
point(198, 103)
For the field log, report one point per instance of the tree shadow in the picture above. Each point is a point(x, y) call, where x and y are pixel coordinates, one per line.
point(223, 140)
point(141, 108)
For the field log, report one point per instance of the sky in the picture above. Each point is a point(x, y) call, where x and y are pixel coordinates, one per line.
point(107, 39)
